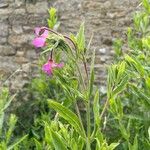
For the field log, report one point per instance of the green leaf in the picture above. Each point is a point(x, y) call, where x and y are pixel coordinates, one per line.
point(80, 38)
point(98, 146)
point(124, 132)
point(149, 132)
point(120, 87)
point(37, 144)
point(96, 108)
point(68, 116)
point(80, 143)
point(136, 64)
point(1, 121)
point(135, 143)
point(17, 143)
point(121, 70)
point(146, 5)
point(112, 146)
point(118, 47)
point(140, 93)
point(57, 141)
point(91, 81)
point(52, 21)
point(147, 80)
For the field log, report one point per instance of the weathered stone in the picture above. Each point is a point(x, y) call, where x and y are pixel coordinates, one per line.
point(18, 19)
point(6, 50)
point(18, 40)
point(8, 64)
point(102, 50)
point(34, 19)
point(20, 11)
point(107, 4)
point(31, 54)
point(19, 3)
point(17, 29)
point(21, 60)
point(5, 12)
point(20, 53)
point(4, 5)
point(38, 8)
point(3, 40)
point(3, 28)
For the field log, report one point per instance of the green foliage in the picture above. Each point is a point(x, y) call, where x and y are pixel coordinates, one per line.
point(67, 115)
point(80, 38)
point(6, 139)
point(52, 21)
point(130, 108)
point(121, 121)
point(118, 47)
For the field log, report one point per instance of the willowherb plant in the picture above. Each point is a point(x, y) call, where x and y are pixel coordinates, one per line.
point(123, 121)
point(77, 85)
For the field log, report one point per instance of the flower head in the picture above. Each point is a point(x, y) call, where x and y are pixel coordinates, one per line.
point(40, 37)
point(50, 65)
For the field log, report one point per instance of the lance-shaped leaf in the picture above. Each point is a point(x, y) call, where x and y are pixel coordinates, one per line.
point(96, 108)
point(121, 70)
point(136, 64)
point(139, 93)
point(68, 115)
point(80, 38)
point(17, 143)
point(120, 87)
point(37, 144)
point(112, 146)
point(57, 141)
point(91, 81)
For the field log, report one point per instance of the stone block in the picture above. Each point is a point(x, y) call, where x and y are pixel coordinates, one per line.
point(18, 19)
point(18, 40)
point(4, 5)
point(38, 8)
point(21, 11)
point(21, 60)
point(6, 50)
point(7, 64)
point(5, 12)
point(3, 40)
point(3, 29)
point(17, 29)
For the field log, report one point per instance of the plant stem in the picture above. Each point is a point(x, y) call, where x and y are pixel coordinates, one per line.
point(66, 37)
point(85, 66)
point(88, 126)
point(104, 108)
point(88, 115)
point(79, 115)
point(81, 77)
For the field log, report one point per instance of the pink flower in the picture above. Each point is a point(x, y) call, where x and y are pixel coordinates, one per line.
point(41, 35)
point(50, 65)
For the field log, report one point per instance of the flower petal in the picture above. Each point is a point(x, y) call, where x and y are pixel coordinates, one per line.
point(45, 33)
point(41, 31)
point(37, 31)
point(39, 42)
point(59, 65)
point(47, 68)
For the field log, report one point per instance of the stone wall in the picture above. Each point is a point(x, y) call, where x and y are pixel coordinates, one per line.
point(106, 19)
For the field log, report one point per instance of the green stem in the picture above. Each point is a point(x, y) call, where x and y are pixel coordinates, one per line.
point(88, 126)
point(66, 37)
point(81, 77)
point(79, 115)
point(104, 108)
point(85, 66)
point(88, 115)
